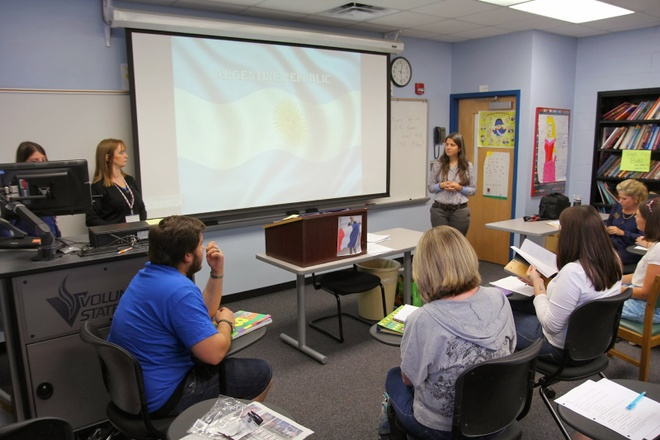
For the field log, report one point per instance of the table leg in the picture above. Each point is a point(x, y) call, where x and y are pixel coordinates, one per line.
point(407, 277)
point(301, 343)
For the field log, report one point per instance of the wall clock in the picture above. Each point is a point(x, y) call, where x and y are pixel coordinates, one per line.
point(401, 71)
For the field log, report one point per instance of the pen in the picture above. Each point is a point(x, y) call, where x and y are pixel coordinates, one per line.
point(123, 251)
point(637, 399)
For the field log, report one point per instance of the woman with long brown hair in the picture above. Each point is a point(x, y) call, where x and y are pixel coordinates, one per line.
point(589, 269)
point(452, 180)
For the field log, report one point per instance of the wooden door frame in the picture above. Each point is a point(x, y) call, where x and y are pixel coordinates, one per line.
point(454, 99)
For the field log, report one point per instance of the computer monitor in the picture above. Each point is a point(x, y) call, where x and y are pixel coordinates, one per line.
point(30, 190)
point(48, 188)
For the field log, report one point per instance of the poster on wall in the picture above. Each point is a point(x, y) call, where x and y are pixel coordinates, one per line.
point(550, 151)
point(496, 172)
point(497, 129)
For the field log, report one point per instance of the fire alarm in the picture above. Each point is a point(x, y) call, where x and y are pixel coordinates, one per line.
point(419, 88)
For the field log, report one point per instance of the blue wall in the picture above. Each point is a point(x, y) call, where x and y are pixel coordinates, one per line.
point(47, 44)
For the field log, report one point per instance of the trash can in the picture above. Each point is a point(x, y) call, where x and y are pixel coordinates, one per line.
point(370, 304)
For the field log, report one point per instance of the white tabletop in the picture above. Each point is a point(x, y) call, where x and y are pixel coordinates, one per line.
point(401, 240)
point(539, 228)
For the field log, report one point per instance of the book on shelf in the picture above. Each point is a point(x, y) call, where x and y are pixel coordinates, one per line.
point(531, 253)
point(389, 325)
point(613, 113)
point(623, 116)
point(652, 113)
point(246, 322)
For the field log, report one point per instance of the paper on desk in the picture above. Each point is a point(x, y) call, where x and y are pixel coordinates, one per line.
point(605, 402)
point(554, 223)
point(377, 249)
point(544, 260)
point(514, 284)
point(375, 238)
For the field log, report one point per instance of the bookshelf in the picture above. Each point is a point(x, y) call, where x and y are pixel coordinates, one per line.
point(625, 120)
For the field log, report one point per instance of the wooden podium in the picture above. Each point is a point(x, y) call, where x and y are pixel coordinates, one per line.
point(318, 238)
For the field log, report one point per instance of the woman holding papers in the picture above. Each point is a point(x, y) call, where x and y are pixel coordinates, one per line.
point(115, 195)
point(648, 220)
point(460, 324)
point(452, 180)
point(621, 224)
point(589, 269)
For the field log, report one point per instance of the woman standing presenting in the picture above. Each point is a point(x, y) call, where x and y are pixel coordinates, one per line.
point(452, 180)
point(115, 197)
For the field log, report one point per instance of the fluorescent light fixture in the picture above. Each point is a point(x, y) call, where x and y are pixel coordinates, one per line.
point(121, 18)
point(503, 2)
point(573, 11)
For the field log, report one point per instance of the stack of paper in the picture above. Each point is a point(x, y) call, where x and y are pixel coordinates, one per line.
point(606, 402)
point(403, 313)
point(514, 284)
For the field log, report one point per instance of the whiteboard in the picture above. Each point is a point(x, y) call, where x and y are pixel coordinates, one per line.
point(409, 151)
point(69, 124)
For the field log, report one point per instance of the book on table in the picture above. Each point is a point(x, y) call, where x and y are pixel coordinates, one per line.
point(390, 325)
point(246, 322)
point(531, 253)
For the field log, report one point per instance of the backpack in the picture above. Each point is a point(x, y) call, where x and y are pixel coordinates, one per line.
point(552, 205)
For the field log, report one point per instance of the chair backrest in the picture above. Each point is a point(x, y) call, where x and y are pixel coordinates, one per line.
point(492, 394)
point(40, 428)
point(593, 326)
point(653, 300)
point(122, 373)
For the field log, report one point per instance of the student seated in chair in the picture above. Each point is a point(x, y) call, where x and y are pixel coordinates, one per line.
point(165, 321)
point(648, 221)
point(589, 269)
point(461, 324)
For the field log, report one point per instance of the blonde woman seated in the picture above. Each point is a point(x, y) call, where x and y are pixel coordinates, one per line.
point(461, 324)
point(621, 223)
point(648, 221)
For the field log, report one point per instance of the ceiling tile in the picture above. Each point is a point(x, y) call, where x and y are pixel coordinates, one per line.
point(404, 20)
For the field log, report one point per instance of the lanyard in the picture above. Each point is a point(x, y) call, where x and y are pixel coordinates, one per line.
point(121, 191)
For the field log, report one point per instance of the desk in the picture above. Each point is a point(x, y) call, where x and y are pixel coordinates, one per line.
point(596, 430)
point(385, 338)
point(401, 241)
point(539, 228)
point(44, 303)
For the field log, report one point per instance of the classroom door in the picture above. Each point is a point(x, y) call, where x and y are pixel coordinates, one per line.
point(491, 245)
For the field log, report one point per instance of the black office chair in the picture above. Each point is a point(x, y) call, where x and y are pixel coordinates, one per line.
point(122, 375)
point(491, 397)
point(341, 283)
point(40, 428)
point(591, 332)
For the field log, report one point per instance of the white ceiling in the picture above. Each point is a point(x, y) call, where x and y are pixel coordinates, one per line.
point(441, 20)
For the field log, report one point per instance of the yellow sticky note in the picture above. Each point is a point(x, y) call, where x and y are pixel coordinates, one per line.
point(636, 160)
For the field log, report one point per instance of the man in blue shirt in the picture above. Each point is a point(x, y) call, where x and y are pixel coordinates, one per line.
point(178, 333)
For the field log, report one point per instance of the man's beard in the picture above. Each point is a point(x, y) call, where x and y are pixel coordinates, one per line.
point(195, 267)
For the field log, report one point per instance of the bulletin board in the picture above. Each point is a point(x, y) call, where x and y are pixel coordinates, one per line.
point(409, 152)
point(550, 151)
